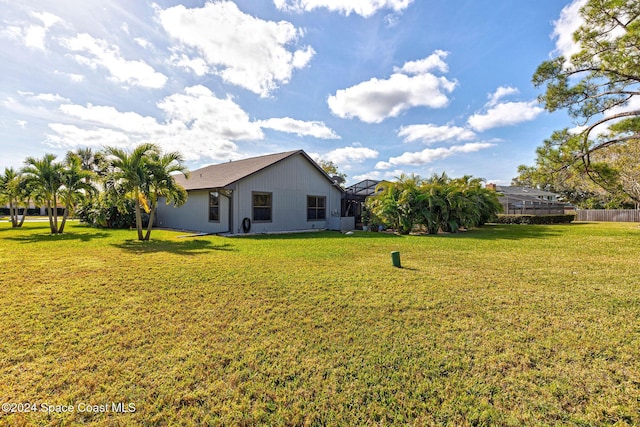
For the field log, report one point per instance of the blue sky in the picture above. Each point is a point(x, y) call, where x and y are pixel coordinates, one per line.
point(380, 87)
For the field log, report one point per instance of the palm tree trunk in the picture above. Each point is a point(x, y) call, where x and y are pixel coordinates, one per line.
point(54, 226)
point(24, 214)
point(138, 218)
point(64, 219)
point(50, 214)
point(13, 213)
point(152, 213)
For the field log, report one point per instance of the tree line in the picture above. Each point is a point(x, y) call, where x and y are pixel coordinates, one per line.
point(108, 188)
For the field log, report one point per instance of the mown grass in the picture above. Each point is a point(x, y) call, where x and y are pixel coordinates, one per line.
point(506, 325)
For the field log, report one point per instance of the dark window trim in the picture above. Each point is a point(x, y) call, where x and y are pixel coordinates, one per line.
point(209, 206)
point(270, 207)
point(316, 208)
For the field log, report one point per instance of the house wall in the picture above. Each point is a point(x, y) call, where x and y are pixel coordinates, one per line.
point(194, 214)
point(290, 182)
point(42, 210)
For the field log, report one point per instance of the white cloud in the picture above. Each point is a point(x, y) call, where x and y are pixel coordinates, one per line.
point(347, 155)
point(501, 92)
point(633, 104)
point(199, 110)
point(430, 134)
point(259, 60)
point(430, 155)
point(299, 127)
point(505, 114)
point(12, 32)
point(364, 8)
point(197, 66)
point(96, 53)
point(144, 43)
point(568, 23)
point(435, 61)
point(375, 100)
point(46, 97)
point(48, 19)
point(379, 175)
point(196, 123)
point(33, 35)
point(69, 136)
point(50, 97)
point(383, 165)
point(109, 117)
point(76, 78)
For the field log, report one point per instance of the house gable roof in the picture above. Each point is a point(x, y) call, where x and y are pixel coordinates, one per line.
point(225, 174)
point(522, 191)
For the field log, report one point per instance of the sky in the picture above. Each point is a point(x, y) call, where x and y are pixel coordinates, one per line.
point(379, 87)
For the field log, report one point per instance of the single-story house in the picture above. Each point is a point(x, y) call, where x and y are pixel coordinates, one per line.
point(273, 193)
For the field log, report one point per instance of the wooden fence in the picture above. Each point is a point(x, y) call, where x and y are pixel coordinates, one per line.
point(608, 215)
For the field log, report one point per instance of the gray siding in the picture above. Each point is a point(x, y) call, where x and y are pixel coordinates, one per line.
point(290, 182)
point(194, 214)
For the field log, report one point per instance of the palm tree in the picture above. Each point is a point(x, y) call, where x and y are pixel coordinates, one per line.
point(437, 203)
point(76, 184)
point(44, 177)
point(398, 204)
point(89, 161)
point(128, 172)
point(163, 184)
point(410, 201)
point(435, 210)
point(384, 204)
point(485, 202)
point(14, 191)
point(145, 175)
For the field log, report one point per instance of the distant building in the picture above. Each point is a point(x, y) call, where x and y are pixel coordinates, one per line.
point(525, 200)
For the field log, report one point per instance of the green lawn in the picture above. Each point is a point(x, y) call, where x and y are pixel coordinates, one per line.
point(506, 325)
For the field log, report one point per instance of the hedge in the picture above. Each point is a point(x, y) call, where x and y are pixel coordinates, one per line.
point(535, 219)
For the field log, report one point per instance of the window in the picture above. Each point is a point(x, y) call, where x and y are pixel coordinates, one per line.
point(261, 207)
point(316, 208)
point(214, 206)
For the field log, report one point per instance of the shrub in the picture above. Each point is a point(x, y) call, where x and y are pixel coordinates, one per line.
point(104, 213)
point(436, 204)
point(535, 219)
